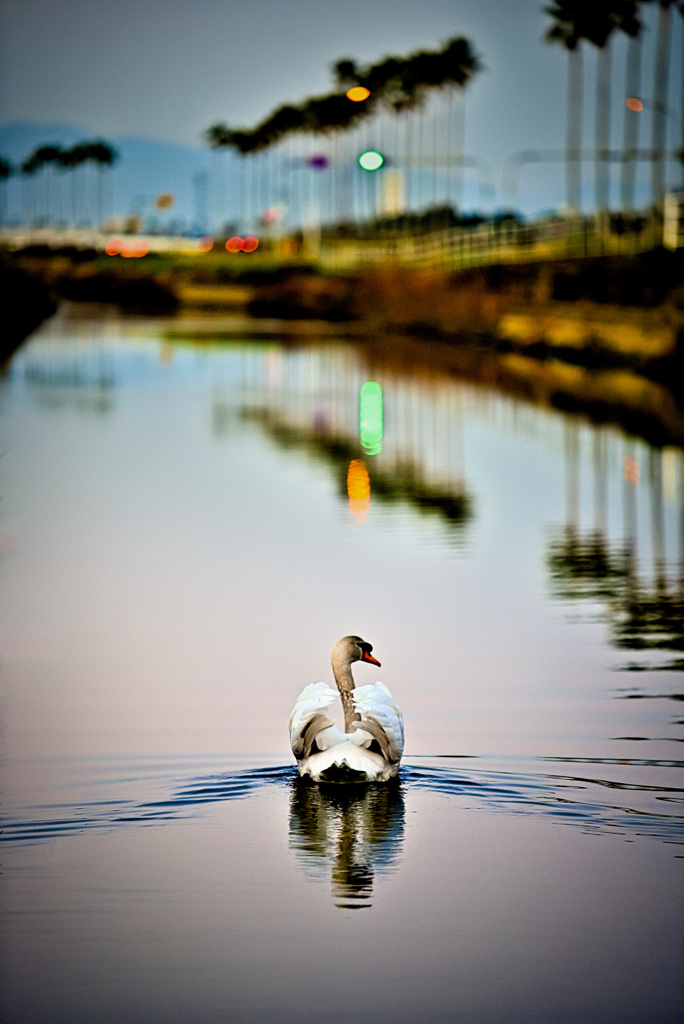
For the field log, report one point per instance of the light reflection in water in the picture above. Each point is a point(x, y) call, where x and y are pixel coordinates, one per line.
point(358, 489)
point(164, 554)
point(370, 417)
point(629, 564)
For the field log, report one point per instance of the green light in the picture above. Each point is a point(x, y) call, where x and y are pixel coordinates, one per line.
point(371, 160)
point(370, 417)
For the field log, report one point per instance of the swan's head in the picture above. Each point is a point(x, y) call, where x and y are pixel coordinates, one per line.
point(353, 648)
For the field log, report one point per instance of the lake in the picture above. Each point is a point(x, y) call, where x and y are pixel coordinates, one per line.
point(190, 519)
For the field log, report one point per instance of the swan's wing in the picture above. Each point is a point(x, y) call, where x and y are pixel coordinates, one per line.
point(309, 723)
point(380, 718)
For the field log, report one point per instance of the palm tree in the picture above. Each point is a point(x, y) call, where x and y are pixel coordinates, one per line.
point(28, 196)
point(104, 157)
point(621, 16)
point(659, 112)
point(43, 157)
point(398, 83)
point(402, 84)
point(593, 21)
point(565, 33)
point(6, 172)
point(69, 160)
point(630, 144)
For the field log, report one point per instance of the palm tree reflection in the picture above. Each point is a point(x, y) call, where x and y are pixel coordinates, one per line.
point(352, 831)
point(637, 579)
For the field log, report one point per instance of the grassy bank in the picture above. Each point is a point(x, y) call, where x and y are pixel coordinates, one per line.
point(597, 313)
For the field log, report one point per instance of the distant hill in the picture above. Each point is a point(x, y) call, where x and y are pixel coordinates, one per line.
point(146, 169)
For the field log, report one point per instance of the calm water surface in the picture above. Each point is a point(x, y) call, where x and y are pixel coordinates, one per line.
point(186, 528)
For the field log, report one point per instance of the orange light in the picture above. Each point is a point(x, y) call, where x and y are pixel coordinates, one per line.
point(135, 252)
point(630, 470)
point(358, 93)
point(113, 248)
point(633, 103)
point(358, 489)
point(234, 244)
point(205, 244)
point(250, 243)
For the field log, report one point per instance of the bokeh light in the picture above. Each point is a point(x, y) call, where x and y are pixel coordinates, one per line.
point(237, 244)
point(358, 489)
point(129, 248)
point(358, 93)
point(371, 417)
point(633, 103)
point(271, 215)
point(371, 160)
point(630, 470)
point(134, 250)
point(319, 162)
point(205, 244)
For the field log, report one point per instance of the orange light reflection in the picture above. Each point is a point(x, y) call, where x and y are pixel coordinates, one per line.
point(358, 489)
point(630, 470)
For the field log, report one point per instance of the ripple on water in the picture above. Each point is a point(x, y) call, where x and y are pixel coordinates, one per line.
point(597, 804)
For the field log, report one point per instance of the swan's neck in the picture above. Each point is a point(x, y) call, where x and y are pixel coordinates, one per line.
point(345, 684)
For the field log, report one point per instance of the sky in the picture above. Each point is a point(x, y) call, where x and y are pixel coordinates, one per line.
point(167, 69)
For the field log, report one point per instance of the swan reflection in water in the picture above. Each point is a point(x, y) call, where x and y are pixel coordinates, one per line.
point(353, 831)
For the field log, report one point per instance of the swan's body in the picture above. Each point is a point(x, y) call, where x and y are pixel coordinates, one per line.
point(370, 748)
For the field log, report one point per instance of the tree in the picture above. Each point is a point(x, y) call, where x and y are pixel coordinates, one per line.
point(6, 172)
point(104, 157)
point(43, 159)
point(660, 98)
point(70, 160)
point(399, 84)
point(593, 21)
point(630, 144)
point(564, 32)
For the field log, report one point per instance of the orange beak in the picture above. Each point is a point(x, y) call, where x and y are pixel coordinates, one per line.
point(367, 656)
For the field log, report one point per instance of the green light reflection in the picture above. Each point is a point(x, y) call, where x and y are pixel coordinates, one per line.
point(370, 417)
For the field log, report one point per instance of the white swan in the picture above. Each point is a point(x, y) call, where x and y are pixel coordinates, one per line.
point(370, 748)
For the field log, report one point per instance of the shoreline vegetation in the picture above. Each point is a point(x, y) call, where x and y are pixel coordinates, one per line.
point(603, 336)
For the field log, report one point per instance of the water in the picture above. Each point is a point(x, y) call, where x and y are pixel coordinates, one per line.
point(187, 527)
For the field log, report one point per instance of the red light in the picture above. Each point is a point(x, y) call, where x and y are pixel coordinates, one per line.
point(205, 244)
point(113, 248)
point(237, 244)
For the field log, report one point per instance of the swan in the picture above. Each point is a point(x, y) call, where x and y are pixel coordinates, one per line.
point(370, 748)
